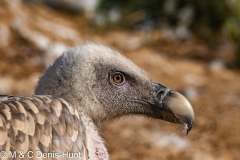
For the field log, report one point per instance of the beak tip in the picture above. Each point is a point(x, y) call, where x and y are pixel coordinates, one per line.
point(174, 107)
point(189, 127)
point(181, 108)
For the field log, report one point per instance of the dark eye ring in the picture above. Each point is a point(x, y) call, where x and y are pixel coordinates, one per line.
point(118, 78)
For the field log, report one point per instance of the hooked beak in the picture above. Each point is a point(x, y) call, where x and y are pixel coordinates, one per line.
point(174, 107)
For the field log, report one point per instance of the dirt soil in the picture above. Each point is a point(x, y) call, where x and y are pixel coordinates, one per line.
point(213, 91)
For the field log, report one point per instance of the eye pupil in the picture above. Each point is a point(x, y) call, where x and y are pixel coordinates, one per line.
point(118, 78)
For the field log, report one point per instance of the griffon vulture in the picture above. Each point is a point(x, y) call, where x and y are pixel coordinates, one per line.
point(85, 89)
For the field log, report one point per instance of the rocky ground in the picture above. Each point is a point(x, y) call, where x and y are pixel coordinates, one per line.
point(31, 37)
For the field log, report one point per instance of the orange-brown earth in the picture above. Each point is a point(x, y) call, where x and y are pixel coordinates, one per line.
point(214, 93)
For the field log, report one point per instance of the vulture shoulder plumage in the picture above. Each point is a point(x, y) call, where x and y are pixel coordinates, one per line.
point(84, 90)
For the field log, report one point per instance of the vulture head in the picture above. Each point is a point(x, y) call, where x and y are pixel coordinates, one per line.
point(105, 85)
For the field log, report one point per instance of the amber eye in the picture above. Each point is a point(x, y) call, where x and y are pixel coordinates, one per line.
point(118, 78)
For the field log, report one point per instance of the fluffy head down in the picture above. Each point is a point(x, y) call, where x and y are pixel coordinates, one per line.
point(82, 76)
point(105, 85)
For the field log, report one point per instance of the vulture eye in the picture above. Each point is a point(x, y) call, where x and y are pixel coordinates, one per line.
point(118, 78)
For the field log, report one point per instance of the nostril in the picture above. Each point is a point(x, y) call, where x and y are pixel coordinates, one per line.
point(160, 92)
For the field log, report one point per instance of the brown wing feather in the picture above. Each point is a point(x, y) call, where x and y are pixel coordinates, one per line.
point(40, 123)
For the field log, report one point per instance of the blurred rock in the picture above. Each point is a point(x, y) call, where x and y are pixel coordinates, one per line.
point(58, 30)
point(148, 26)
point(100, 20)
point(191, 93)
point(126, 41)
point(88, 6)
point(48, 36)
point(216, 65)
point(134, 43)
point(194, 80)
point(185, 16)
point(114, 15)
point(182, 32)
point(170, 140)
point(103, 19)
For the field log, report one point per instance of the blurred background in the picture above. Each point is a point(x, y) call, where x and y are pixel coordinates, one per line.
point(189, 46)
